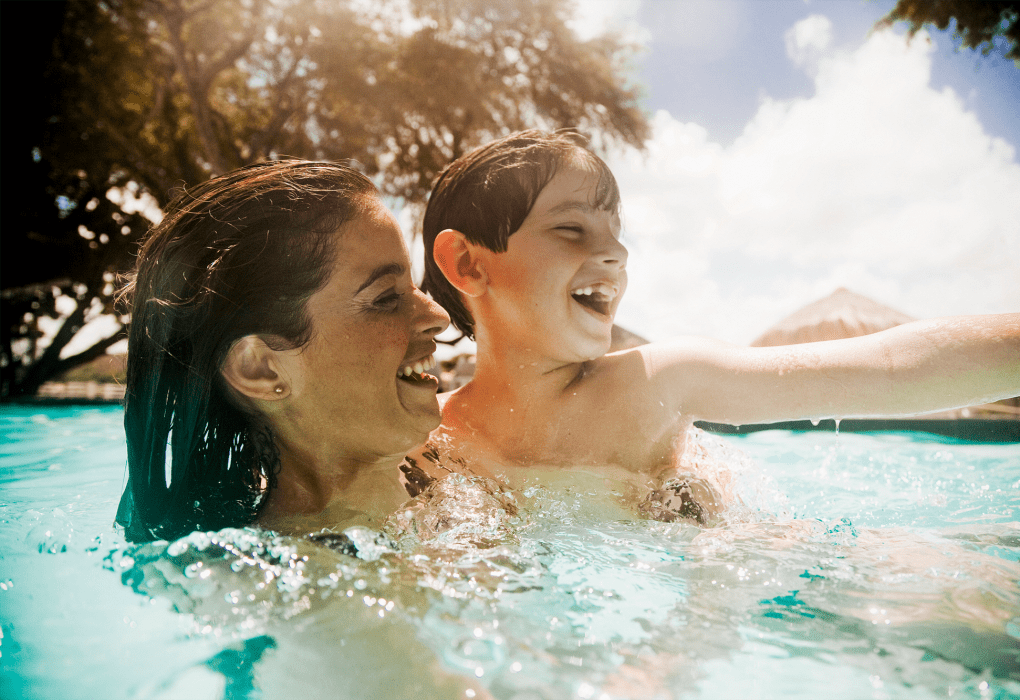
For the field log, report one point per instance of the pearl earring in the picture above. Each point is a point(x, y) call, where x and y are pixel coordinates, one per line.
point(278, 390)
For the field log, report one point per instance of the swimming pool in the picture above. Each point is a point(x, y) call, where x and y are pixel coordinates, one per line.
point(888, 568)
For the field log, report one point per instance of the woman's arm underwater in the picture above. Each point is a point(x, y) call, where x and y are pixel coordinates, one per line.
point(914, 368)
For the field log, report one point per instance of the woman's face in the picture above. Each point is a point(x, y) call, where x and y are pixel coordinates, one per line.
point(357, 389)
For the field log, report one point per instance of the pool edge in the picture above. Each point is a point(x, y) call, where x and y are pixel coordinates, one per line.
point(972, 429)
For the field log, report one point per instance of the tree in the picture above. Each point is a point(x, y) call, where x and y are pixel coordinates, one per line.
point(63, 239)
point(978, 25)
point(156, 94)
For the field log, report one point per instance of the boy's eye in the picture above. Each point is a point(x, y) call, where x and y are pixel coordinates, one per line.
point(572, 229)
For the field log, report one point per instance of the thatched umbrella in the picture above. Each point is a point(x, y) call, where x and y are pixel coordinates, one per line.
point(842, 314)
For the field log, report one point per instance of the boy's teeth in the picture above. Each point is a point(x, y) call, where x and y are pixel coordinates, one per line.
point(603, 289)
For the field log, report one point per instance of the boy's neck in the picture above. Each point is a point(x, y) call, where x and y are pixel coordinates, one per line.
point(513, 405)
point(507, 374)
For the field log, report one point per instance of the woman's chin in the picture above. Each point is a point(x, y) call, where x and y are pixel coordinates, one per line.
point(420, 436)
point(418, 397)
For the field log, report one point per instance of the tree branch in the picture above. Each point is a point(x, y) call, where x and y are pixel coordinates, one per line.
point(195, 86)
point(42, 368)
point(99, 349)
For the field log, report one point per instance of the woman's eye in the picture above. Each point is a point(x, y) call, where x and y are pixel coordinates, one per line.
point(388, 302)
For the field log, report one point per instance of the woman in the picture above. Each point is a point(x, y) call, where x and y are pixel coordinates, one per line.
point(277, 357)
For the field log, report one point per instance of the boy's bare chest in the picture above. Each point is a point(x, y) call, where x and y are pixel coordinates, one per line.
point(591, 429)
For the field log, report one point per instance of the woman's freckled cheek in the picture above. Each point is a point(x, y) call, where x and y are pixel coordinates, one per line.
point(389, 340)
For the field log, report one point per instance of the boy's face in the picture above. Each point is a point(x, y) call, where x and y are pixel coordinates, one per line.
point(555, 290)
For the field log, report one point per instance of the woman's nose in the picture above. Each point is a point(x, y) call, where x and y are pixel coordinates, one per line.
point(430, 318)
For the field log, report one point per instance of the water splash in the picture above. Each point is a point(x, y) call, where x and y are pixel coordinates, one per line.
point(458, 512)
point(570, 599)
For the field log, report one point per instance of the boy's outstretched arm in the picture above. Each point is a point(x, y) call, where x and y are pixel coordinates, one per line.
point(918, 367)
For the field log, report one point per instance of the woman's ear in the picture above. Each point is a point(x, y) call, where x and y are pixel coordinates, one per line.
point(460, 262)
point(253, 370)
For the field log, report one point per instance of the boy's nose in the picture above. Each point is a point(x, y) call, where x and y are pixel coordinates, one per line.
point(613, 252)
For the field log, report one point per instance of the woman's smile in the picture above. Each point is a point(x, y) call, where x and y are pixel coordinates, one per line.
point(365, 374)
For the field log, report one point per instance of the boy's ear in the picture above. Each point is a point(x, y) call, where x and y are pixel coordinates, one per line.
point(252, 368)
point(460, 262)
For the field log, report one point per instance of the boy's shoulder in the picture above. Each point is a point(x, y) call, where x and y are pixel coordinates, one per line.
point(647, 361)
point(659, 375)
point(622, 382)
point(684, 357)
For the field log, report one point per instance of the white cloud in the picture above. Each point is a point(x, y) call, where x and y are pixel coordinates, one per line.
point(877, 182)
point(593, 18)
point(808, 39)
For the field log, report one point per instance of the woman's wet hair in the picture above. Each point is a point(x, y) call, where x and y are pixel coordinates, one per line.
point(238, 255)
point(488, 193)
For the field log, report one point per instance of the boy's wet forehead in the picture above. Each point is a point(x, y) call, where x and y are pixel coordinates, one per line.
point(575, 190)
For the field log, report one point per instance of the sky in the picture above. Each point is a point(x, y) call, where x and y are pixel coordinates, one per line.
point(795, 151)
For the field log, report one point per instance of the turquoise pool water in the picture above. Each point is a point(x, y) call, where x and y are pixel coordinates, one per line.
point(865, 566)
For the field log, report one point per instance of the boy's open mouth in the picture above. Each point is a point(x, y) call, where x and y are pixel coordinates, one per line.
point(417, 373)
point(597, 297)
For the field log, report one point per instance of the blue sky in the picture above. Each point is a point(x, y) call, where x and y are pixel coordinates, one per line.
point(734, 51)
point(794, 151)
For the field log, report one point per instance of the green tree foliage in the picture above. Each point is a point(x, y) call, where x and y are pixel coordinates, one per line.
point(155, 94)
point(978, 24)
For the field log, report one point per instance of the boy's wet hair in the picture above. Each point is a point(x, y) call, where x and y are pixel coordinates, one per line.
point(486, 195)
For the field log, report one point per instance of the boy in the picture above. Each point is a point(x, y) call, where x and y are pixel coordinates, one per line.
point(522, 249)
